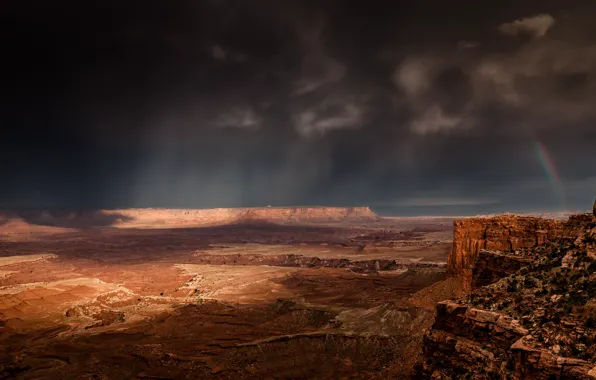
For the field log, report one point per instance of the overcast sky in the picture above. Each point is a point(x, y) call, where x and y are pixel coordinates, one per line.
point(411, 107)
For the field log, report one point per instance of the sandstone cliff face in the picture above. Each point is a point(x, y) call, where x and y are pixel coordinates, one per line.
point(503, 233)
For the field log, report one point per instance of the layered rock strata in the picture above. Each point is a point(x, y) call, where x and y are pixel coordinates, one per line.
point(467, 342)
point(503, 233)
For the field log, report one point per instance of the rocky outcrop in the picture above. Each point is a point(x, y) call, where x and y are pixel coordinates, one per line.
point(532, 311)
point(490, 345)
point(503, 233)
point(594, 208)
point(468, 339)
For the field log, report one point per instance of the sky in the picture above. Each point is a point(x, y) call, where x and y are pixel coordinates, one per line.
point(410, 107)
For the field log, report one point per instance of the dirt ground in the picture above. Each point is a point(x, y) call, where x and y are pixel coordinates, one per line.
point(249, 300)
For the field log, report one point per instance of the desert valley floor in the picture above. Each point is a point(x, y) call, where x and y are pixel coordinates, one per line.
point(227, 294)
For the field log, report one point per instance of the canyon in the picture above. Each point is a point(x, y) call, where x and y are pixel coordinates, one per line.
point(225, 293)
point(314, 292)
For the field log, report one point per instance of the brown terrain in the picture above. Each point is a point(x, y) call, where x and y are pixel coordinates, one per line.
point(312, 293)
point(227, 293)
point(530, 312)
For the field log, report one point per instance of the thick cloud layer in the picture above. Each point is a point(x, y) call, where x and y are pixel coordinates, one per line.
point(425, 107)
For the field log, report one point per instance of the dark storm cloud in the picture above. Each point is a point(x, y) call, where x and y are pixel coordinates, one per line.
point(239, 103)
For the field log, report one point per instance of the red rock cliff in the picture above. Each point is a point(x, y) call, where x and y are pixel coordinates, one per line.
point(502, 233)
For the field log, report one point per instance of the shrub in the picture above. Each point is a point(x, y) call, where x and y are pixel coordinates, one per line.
point(540, 292)
point(529, 283)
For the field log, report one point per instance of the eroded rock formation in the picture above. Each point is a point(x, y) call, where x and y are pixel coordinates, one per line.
point(467, 341)
point(503, 233)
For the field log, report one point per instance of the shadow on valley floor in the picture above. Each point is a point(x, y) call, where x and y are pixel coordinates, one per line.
point(214, 340)
point(138, 245)
point(353, 290)
point(271, 233)
point(338, 323)
point(65, 219)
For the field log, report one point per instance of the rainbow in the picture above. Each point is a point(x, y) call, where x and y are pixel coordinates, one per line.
point(550, 170)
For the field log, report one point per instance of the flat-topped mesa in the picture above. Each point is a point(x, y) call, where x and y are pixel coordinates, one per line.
point(501, 233)
point(271, 214)
point(307, 214)
point(167, 218)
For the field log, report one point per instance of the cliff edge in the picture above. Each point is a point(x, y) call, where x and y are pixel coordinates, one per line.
point(532, 314)
point(502, 233)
